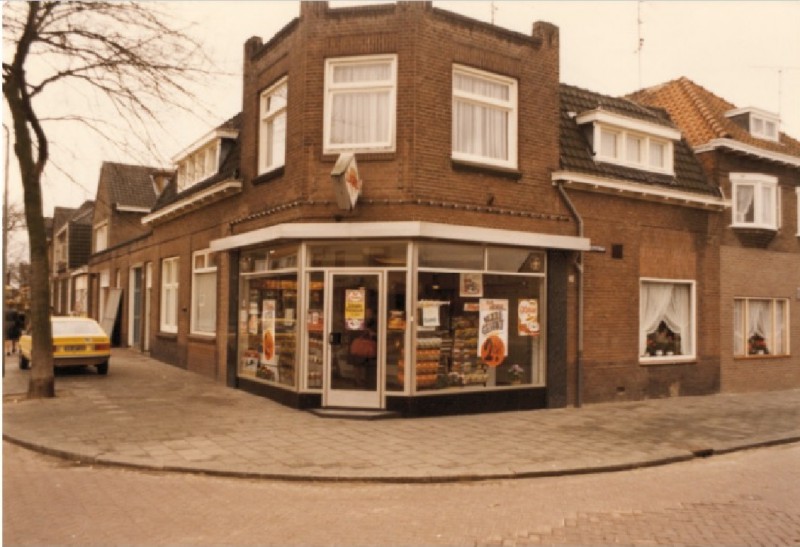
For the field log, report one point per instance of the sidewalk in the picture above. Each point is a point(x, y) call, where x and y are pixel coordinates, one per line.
point(146, 414)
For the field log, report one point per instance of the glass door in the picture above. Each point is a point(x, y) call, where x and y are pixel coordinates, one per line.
point(353, 369)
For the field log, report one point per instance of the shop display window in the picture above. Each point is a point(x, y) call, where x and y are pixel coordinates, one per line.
point(357, 254)
point(268, 329)
point(315, 323)
point(396, 323)
point(478, 330)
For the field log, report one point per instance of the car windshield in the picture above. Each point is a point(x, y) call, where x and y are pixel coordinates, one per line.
point(76, 328)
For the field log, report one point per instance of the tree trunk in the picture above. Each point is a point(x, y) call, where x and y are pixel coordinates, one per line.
point(42, 381)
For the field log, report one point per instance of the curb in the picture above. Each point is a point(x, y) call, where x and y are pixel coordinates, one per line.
point(700, 453)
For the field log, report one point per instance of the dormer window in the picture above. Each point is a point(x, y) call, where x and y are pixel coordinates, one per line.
point(198, 165)
point(631, 143)
point(760, 123)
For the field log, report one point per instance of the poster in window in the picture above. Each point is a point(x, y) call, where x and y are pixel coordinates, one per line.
point(470, 285)
point(268, 332)
point(355, 307)
point(493, 332)
point(528, 317)
point(430, 314)
point(250, 359)
point(315, 321)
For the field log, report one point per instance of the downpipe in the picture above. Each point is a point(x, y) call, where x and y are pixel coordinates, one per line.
point(579, 270)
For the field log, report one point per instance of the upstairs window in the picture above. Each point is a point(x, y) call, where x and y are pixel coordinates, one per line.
point(360, 104)
point(272, 131)
point(625, 147)
point(484, 117)
point(760, 123)
point(198, 165)
point(101, 237)
point(755, 201)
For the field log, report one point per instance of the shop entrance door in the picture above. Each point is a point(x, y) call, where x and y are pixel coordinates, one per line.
point(354, 363)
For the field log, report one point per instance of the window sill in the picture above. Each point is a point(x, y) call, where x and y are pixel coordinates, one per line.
point(759, 357)
point(167, 335)
point(668, 360)
point(269, 175)
point(473, 167)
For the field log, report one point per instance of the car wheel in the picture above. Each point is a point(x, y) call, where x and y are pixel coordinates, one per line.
point(24, 364)
point(102, 368)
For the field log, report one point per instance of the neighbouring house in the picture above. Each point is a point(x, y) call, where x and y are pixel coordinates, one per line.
point(71, 247)
point(757, 168)
point(125, 193)
point(649, 295)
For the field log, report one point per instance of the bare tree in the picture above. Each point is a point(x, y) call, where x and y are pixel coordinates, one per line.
point(122, 52)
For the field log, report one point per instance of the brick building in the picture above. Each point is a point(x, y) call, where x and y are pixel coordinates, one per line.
point(70, 250)
point(757, 168)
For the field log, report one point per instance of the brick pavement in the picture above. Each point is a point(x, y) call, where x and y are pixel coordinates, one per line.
point(148, 414)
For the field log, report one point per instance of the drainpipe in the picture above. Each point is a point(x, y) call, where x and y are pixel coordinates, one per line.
point(579, 269)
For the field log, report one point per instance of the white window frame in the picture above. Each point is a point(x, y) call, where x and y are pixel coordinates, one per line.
point(689, 354)
point(203, 264)
point(269, 113)
point(797, 191)
point(386, 86)
point(759, 127)
point(772, 339)
point(100, 229)
point(170, 284)
point(759, 182)
point(199, 165)
point(626, 136)
point(509, 106)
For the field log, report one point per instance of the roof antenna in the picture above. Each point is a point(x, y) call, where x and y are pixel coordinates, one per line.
point(780, 70)
point(494, 9)
point(640, 41)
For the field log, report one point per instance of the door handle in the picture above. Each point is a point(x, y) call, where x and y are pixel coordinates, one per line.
point(335, 338)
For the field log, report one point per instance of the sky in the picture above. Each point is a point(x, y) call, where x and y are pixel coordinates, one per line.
point(747, 52)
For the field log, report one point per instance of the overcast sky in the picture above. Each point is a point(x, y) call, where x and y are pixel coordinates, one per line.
point(747, 52)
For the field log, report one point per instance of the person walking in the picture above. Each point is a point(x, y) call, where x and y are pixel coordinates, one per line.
point(12, 331)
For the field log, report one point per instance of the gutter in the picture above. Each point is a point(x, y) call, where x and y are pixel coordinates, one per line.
point(579, 269)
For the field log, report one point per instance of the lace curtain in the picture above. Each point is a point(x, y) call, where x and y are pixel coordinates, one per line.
point(361, 112)
point(480, 129)
point(670, 303)
point(745, 195)
point(739, 347)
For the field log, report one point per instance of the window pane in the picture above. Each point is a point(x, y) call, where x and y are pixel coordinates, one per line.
point(358, 254)
point(480, 130)
point(768, 205)
point(608, 144)
point(745, 206)
point(362, 72)
point(738, 327)
point(444, 255)
point(657, 154)
point(515, 260)
point(633, 149)
point(781, 336)
point(205, 302)
point(360, 118)
point(481, 86)
point(759, 327)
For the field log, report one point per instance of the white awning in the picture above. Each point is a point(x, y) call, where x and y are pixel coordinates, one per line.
point(403, 229)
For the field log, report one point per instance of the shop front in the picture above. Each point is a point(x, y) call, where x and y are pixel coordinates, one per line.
point(409, 323)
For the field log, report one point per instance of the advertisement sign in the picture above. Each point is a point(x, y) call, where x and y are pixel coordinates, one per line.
point(493, 331)
point(355, 308)
point(528, 317)
point(346, 181)
point(268, 332)
point(471, 285)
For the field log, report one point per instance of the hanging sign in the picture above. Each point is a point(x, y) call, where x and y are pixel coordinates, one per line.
point(528, 317)
point(346, 181)
point(355, 308)
point(493, 331)
point(268, 332)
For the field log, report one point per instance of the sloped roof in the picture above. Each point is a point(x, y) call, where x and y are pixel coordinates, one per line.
point(701, 116)
point(228, 169)
point(84, 213)
point(129, 185)
point(61, 216)
point(576, 150)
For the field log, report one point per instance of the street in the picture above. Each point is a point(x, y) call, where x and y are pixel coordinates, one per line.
point(745, 498)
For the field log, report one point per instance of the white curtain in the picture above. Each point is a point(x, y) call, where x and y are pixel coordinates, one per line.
point(670, 303)
point(780, 348)
point(361, 116)
point(760, 317)
point(738, 328)
point(767, 205)
point(744, 203)
point(480, 129)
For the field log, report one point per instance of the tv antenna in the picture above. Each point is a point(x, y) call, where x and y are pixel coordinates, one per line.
point(494, 9)
point(639, 40)
point(780, 70)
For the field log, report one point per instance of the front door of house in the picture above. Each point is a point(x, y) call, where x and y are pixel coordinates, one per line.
point(353, 368)
point(135, 333)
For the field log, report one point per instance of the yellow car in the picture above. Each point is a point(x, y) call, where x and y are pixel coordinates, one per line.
point(77, 341)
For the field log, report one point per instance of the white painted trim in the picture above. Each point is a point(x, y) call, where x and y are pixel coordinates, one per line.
point(200, 196)
point(132, 209)
point(623, 122)
point(403, 229)
point(668, 359)
point(753, 110)
point(203, 141)
point(678, 196)
point(737, 146)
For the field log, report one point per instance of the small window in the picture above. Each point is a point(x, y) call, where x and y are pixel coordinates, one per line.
point(633, 149)
point(608, 144)
point(484, 117)
point(272, 137)
point(760, 327)
point(360, 97)
point(667, 320)
point(204, 293)
point(658, 154)
point(169, 294)
point(101, 237)
point(755, 201)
